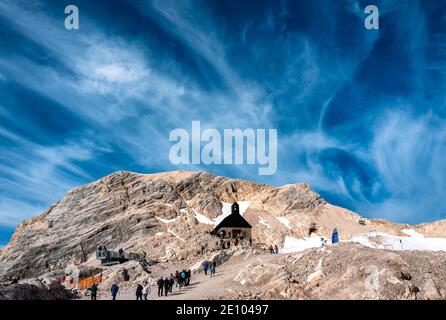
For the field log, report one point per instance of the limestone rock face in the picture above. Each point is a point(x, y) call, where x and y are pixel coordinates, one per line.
point(168, 215)
point(35, 289)
point(130, 210)
point(345, 271)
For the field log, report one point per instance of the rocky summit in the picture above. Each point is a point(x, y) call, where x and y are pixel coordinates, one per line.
point(169, 216)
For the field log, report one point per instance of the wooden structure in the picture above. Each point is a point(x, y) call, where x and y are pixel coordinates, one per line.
point(81, 279)
point(233, 226)
point(87, 282)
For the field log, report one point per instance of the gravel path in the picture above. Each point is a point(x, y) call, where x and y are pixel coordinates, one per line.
point(204, 287)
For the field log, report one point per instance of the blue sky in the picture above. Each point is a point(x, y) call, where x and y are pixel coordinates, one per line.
point(360, 113)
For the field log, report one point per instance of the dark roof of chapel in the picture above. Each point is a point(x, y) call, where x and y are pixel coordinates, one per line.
point(234, 220)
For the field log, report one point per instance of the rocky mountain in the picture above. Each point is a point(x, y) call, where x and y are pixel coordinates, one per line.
point(345, 271)
point(169, 214)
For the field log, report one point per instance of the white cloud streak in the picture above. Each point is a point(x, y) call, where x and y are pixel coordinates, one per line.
point(115, 87)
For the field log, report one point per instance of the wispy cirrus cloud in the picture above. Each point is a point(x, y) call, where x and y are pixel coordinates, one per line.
point(360, 114)
point(36, 175)
point(111, 86)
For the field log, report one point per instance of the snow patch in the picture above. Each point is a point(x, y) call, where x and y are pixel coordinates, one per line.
point(388, 241)
point(170, 231)
point(383, 241)
point(159, 234)
point(292, 244)
point(263, 221)
point(202, 219)
point(166, 220)
point(284, 221)
point(412, 233)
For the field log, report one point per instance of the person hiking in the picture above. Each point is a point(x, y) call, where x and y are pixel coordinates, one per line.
point(205, 267)
point(276, 249)
point(160, 284)
point(94, 290)
point(180, 281)
point(228, 244)
point(177, 277)
point(183, 277)
point(271, 250)
point(188, 275)
point(166, 286)
point(138, 293)
point(114, 290)
point(171, 282)
point(146, 290)
point(213, 266)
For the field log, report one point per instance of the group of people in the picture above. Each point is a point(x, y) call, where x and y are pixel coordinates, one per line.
point(183, 278)
point(235, 242)
point(143, 290)
point(165, 285)
point(273, 250)
point(104, 248)
point(209, 266)
point(225, 244)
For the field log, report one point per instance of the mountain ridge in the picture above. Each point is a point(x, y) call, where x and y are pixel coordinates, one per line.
point(169, 215)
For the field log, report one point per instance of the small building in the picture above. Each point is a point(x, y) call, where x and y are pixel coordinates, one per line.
point(233, 226)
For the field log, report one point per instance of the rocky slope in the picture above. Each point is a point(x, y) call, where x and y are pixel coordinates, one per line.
point(125, 210)
point(44, 288)
point(345, 271)
point(167, 215)
point(342, 271)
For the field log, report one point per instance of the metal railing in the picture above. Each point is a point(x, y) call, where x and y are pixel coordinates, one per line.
point(116, 255)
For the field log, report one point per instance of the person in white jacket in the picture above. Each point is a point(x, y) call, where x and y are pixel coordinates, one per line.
point(146, 289)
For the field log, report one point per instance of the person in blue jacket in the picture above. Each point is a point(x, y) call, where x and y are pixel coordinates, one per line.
point(114, 290)
point(213, 266)
point(205, 267)
point(335, 236)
